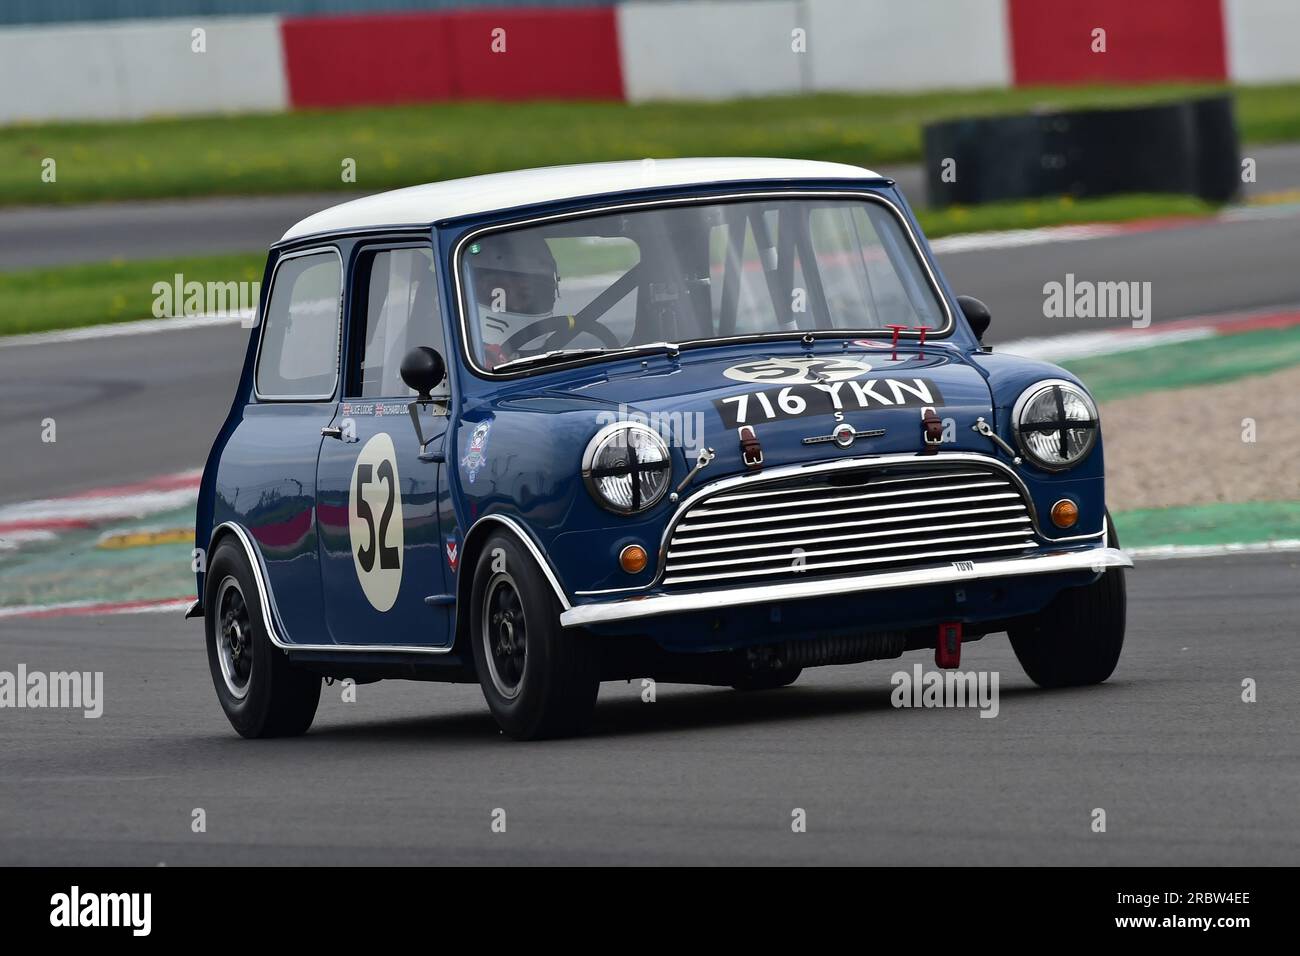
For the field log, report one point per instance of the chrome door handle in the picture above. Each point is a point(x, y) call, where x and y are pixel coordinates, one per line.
point(332, 431)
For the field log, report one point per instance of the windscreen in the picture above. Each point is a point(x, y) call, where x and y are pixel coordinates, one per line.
point(689, 273)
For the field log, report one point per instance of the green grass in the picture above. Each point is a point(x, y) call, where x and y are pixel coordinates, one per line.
point(397, 146)
point(1209, 361)
point(1058, 211)
point(1223, 523)
point(61, 297)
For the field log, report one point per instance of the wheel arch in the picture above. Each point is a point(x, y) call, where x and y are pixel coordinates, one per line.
point(472, 548)
point(229, 530)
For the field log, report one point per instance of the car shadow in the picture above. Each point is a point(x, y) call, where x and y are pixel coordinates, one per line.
point(697, 709)
point(723, 707)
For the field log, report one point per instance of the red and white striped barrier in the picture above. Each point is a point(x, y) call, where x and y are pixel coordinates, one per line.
point(637, 50)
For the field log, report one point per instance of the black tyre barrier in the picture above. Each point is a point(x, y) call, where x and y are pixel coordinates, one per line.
point(1189, 147)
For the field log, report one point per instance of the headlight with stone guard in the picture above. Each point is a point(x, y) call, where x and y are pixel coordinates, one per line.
point(1055, 423)
point(626, 467)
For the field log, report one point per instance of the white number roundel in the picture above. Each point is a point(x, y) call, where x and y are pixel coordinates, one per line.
point(375, 521)
point(798, 371)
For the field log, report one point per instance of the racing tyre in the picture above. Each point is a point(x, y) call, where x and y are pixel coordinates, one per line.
point(768, 680)
point(262, 694)
point(1077, 638)
point(539, 679)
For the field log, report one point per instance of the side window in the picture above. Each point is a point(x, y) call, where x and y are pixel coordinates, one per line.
point(300, 342)
point(401, 312)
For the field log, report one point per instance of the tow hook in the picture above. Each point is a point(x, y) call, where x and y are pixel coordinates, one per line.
point(706, 455)
point(984, 429)
point(947, 649)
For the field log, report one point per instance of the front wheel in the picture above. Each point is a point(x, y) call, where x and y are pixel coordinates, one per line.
point(1076, 639)
point(261, 692)
point(539, 679)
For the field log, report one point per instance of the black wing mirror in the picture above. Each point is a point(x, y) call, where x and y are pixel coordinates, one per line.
point(976, 312)
point(423, 370)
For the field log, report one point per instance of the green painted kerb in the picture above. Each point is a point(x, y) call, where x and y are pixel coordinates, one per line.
point(1247, 522)
point(72, 567)
point(1210, 361)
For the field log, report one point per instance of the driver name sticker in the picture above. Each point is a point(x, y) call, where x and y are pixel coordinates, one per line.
point(826, 398)
point(375, 522)
point(374, 409)
point(798, 371)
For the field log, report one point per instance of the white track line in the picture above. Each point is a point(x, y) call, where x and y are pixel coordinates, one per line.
point(115, 329)
point(1160, 552)
point(77, 608)
point(97, 509)
point(1074, 345)
point(1044, 235)
point(1019, 238)
point(44, 518)
point(11, 540)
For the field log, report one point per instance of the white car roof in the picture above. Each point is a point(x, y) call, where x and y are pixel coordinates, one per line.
point(434, 202)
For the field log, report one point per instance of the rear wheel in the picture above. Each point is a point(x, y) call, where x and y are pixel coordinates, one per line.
point(539, 679)
point(1077, 638)
point(262, 694)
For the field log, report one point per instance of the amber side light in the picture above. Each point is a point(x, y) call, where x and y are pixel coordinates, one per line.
point(632, 559)
point(1065, 513)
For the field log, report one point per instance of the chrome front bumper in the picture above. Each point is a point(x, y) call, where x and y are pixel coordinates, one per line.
point(657, 605)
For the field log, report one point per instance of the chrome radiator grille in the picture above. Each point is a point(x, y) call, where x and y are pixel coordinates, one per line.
point(849, 523)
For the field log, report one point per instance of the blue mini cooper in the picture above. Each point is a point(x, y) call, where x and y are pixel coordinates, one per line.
point(708, 421)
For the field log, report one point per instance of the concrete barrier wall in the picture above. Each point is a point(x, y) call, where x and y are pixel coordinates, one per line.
point(132, 69)
point(1263, 40)
point(637, 50)
point(920, 44)
point(709, 49)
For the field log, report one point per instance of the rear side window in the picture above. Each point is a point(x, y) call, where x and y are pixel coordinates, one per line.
point(401, 312)
point(300, 341)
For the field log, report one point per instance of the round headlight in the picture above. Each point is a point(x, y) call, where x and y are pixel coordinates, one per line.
point(627, 467)
point(1055, 423)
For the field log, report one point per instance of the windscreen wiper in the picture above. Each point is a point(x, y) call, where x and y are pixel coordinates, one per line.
point(545, 358)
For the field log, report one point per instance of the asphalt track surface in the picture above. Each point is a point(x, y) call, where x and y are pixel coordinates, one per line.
point(411, 773)
point(31, 237)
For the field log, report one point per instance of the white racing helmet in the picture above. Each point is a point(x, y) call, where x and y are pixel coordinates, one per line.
point(516, 282)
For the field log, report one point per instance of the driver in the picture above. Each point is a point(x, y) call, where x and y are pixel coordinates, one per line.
point(516, 284)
